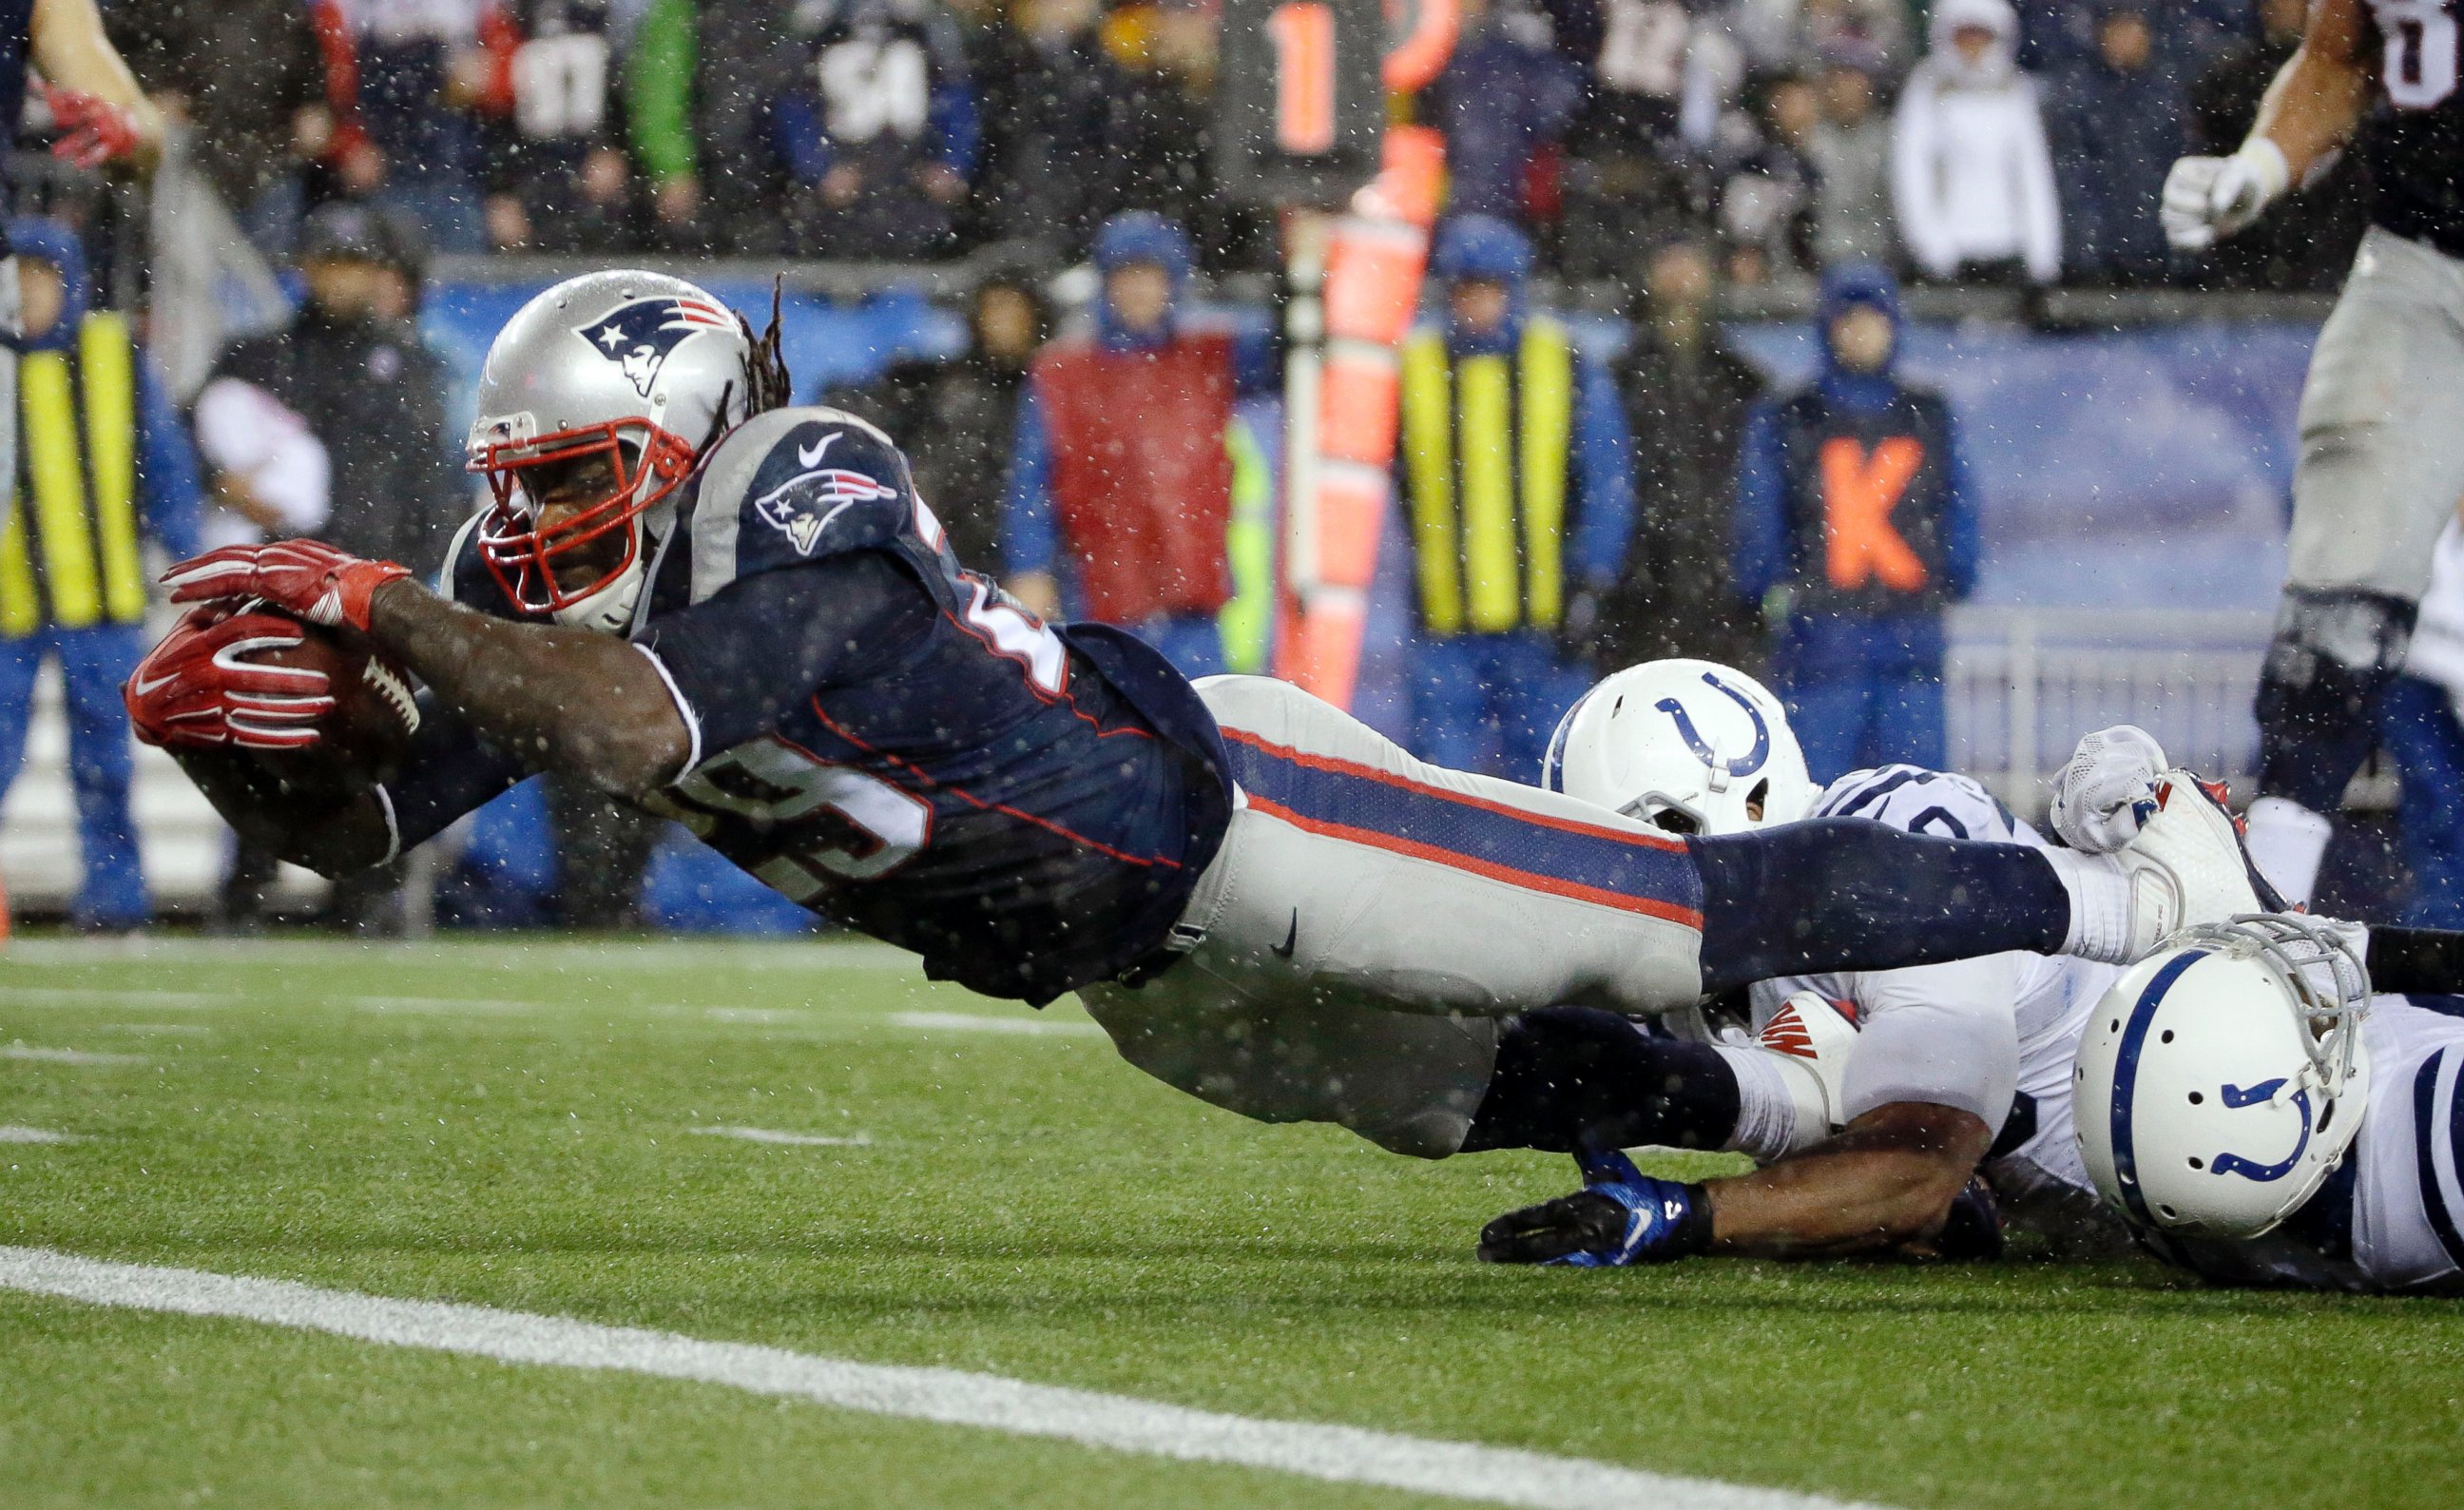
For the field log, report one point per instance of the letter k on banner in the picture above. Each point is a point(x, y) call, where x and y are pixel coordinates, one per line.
point(1859, 493)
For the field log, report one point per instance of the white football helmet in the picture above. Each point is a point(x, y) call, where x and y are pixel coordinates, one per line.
point(1687, 745)
point(609, 388)
point(2221, 1079)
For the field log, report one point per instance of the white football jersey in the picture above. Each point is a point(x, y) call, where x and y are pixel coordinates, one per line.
point(1994, 1036)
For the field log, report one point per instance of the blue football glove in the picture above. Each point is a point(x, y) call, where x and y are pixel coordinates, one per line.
point(1620, 1216)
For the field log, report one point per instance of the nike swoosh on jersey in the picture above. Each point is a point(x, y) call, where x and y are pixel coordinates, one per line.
point(812, 455)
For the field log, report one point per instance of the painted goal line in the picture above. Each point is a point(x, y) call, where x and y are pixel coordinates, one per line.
point(1340, 1454)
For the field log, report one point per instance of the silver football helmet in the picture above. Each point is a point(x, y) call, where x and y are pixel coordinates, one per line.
point(597, 400)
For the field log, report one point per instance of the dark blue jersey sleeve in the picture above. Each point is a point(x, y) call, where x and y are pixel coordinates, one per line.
point(448, 773)
point(743, 658)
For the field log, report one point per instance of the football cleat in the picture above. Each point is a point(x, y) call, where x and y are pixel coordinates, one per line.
point(1810, 1037)
point(2186, 866)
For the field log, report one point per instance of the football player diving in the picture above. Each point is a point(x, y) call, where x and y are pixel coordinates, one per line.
point(739, 615)
point(2380, 465)
point(1870, 1134)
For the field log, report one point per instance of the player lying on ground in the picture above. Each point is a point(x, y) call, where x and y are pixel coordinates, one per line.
point(741, 615)
point(1947, 1054)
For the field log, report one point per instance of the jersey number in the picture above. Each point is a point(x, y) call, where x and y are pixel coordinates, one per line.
point(560, 86)
point(2419, 65)
point(1018, 635)
point(839, 823)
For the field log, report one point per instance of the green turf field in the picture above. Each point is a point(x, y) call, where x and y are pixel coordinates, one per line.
point(528, 1127)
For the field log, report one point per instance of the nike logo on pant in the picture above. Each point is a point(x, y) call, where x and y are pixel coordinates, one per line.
point(1291, 940)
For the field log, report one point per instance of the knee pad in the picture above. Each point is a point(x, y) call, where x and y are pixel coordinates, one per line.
point(2335, 651)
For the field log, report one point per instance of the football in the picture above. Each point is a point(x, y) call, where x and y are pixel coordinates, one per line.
point(362, 740)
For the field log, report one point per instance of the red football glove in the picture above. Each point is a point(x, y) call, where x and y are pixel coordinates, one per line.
point(92, 130)
point(303, 577)
point(195, 691)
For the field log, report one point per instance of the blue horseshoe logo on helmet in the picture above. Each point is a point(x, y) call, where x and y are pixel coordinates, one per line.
point(2251, 1169)
point(1745, 765)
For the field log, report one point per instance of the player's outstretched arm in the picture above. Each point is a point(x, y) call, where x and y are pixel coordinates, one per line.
point(1885, 1181)
point(573, 700)
point(568, 700)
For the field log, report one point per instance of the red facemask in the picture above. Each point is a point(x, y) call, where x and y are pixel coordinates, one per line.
point(648, 464)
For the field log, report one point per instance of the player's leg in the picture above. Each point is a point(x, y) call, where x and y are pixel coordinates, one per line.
point(2379, 473)
point(20, 660)
point(1570, 1080)
point(2420, 730)
point(1355, 874)
point(94, 662)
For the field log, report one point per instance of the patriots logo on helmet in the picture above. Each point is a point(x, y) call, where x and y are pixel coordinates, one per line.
point(639, 336)
point(803, 505)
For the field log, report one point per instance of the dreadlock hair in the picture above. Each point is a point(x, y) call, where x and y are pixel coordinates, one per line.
point(767, 383)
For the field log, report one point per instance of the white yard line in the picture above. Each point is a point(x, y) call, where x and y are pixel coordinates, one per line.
point(758, 1016)
point(34, 1135)
point(797, 1139)
point(27, 1050)
point(1340, 1454)
point(974, 1022)
point(14, 993)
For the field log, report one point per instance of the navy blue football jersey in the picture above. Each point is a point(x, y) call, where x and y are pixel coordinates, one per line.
point(886, 737)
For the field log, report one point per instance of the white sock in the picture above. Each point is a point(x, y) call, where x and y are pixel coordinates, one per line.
point(2099, 892)
point(1766, 1110)
point(2286, 842)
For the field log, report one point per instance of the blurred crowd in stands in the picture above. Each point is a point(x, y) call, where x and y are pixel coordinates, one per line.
point(1962, 140)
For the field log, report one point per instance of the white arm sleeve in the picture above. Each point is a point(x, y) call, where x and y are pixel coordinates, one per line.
point(1941, 1034)
point(242, 429)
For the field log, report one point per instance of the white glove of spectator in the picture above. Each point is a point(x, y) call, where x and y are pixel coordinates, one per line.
point(2207, 197)
point(2109, 789)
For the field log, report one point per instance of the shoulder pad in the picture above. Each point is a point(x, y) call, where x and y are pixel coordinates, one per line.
point(1918, 801)
point(798, 484)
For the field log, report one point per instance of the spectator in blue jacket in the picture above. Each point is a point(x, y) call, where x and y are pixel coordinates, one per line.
point(1517, 479)
point(1856, 529)
point(1507, 95)
point(104, 464)
point(2115, 122)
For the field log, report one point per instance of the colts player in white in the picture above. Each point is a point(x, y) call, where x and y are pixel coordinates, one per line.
point(739, 614)
point(2381, 465)
point(1951, 1065)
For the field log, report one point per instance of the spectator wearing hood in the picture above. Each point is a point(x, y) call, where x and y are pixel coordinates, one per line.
point(1855, 531)
point(1972, 175)
point(954, 418)
point(1517, 481)
point(2116, 119)
point(1687, 393)
point(105, 465)
point(1851, 153)
point(1120, 483)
